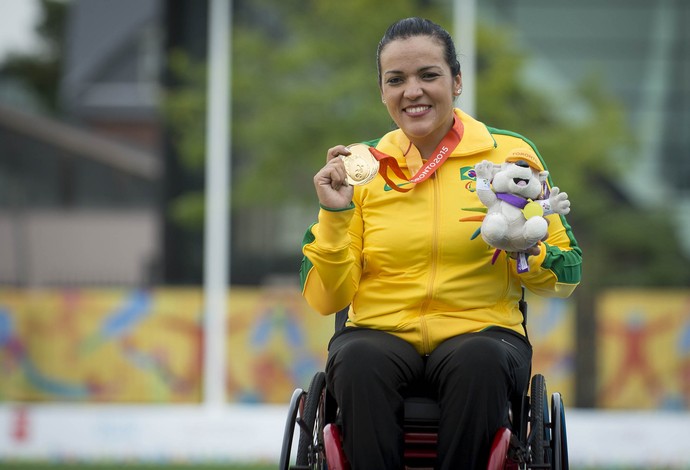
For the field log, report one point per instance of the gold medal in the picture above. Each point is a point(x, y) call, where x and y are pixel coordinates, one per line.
point(361, 166)
point(533, 209)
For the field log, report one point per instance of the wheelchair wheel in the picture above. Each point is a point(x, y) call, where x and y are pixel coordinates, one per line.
point(310, 451)
point(539, 435)
point(295, 404)
point(559, 443)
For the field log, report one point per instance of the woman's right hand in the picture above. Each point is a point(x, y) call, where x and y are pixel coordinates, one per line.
point(331, 183)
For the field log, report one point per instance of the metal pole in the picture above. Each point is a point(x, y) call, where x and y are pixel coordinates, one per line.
point(464, 34)
point(216, 226)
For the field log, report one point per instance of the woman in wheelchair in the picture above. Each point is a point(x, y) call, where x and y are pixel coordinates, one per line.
point(427, 303)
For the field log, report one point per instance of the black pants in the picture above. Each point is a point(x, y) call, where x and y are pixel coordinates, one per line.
point(474, 375)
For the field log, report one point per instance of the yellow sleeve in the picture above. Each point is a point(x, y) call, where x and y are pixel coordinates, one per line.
point(331, 265)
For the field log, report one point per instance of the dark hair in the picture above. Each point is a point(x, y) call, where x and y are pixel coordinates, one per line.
point(411, 27)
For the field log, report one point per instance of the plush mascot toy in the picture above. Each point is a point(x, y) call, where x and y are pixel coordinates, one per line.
point(516, 199)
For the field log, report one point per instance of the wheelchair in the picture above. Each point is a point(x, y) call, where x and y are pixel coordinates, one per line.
point(535, 439)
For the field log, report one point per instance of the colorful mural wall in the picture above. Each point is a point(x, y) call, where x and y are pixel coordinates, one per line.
point(643, 349)
point(551, 330)
point(145, 346)
point(100, 345)
point(275, 344)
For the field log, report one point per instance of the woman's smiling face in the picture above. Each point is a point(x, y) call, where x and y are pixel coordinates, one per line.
point(418, 89)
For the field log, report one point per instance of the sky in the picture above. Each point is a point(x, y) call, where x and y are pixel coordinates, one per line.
point(17, 22)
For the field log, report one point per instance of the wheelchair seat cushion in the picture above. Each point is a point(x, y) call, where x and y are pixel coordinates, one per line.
point(421, 410)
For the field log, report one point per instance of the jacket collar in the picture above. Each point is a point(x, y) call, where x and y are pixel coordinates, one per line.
point(476, 139)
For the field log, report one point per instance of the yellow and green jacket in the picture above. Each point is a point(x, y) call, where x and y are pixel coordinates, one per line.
point(407, 264)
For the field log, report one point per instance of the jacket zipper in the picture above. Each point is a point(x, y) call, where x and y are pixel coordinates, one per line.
point(426, 347)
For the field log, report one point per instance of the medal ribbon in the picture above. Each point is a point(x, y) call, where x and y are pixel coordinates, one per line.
point(528, 207)
point(513, 199)
point(443, 150)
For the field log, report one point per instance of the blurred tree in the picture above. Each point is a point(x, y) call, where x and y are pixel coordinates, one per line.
point(40, 71)
point(315, 85)
point(304, 79)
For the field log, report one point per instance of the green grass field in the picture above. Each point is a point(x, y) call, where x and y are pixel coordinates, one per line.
point(151, 466)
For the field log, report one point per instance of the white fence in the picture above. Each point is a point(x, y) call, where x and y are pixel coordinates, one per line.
point(247, 433)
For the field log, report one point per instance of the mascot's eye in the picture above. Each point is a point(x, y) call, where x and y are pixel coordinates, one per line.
point(522, 164)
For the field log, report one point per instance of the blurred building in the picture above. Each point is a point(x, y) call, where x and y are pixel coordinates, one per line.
point(80, 197)
point(112, 69)
point(83, 198)
point(75, 208)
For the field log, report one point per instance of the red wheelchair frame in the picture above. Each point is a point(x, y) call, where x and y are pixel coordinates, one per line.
point(536, 438)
